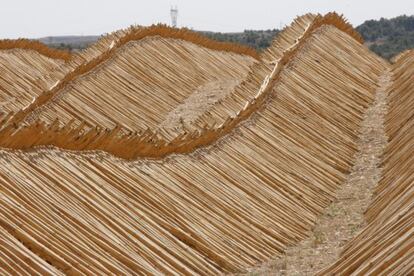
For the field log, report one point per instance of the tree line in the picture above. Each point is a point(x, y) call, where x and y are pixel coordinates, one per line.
point(386, 37)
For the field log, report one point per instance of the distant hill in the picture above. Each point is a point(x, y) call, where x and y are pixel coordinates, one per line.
point(386, 37)
point(72, 42)
point(255, 39)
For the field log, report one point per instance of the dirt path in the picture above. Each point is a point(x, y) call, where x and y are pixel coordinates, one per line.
point(344, 218)
point(197, 103)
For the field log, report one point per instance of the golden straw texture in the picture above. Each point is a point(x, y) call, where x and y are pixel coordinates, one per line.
point(227, 197)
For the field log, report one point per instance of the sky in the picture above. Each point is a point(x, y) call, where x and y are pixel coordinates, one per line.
point(40, 18)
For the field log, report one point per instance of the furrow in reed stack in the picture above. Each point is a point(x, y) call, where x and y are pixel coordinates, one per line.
point(386, 245)
point(84, 65)
point(143, 83)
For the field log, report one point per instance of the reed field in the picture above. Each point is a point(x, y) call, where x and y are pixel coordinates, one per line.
point(159, 151)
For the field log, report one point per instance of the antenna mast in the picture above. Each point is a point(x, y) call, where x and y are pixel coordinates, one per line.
point(174, 15)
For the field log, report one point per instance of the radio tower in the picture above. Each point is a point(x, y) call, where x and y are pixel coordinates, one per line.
point(174, 15)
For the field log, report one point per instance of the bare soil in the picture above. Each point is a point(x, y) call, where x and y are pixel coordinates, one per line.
point(197, 103)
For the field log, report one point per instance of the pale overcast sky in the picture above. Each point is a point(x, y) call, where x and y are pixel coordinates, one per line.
point(38, 18)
